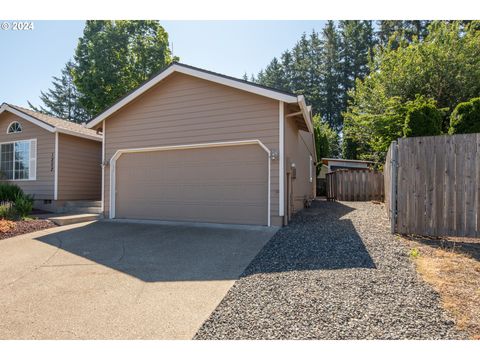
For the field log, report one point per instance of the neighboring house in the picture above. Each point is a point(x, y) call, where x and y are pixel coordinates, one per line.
point(193, 145)
point(53, 159)
point(329, 165)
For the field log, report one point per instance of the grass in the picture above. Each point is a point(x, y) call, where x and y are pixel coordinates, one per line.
point(452, 267)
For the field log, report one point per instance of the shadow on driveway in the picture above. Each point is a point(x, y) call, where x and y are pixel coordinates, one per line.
point(322, 240)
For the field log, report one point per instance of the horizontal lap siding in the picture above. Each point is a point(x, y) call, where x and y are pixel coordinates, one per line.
point(186, 110)
point(43, 186)
point(298, 149)
point(79, 165)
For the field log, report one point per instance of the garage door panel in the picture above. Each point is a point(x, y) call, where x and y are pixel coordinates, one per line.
point(222, 184)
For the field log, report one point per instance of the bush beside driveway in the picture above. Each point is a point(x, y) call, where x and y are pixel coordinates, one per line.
point(334, 273)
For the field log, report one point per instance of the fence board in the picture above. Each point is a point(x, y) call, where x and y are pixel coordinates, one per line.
point(355, 185)
point(438, 187)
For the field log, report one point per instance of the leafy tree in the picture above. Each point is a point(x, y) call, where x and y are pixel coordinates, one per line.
point(465, 118)
point(423, 118)
point(326, 139)
point(114, 57)
point(62, 100)
point(445, 67)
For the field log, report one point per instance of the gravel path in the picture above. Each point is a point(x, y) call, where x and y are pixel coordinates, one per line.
point(334, 273)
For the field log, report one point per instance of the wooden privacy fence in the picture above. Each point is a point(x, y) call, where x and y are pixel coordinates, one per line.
point(355, 185)
point(433, 185)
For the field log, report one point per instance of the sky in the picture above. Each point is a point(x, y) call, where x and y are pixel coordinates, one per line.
point(228, 47)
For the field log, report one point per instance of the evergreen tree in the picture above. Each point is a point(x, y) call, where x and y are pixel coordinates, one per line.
point(62, 100)
point(330, 77)
point(356, 49)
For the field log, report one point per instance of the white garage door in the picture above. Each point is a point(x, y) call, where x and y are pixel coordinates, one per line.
point(227, 184)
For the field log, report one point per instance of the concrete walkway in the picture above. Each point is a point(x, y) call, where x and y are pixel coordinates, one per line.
point(104, 280)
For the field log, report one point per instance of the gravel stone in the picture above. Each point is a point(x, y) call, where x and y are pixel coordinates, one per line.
point(335, 272)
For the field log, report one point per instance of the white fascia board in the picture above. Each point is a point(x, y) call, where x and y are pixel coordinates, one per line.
point(198, 74)
point(78, 134)
point(306, 112)
point(24, 116)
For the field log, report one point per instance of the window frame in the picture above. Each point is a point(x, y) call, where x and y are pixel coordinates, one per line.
point(31, 142)
point(10, 125)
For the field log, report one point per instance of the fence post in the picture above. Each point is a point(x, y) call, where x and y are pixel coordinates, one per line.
point(393, 186)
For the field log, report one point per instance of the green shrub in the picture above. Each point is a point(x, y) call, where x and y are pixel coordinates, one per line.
point(7, 211)
point(423, 118)
point(9, 192)
point(23, 205)
point(465, 119)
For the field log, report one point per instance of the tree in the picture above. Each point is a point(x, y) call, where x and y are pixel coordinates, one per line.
point(62, 100)
point(326, 139)
point(465, 118)
point(445, 67)
point(356, 46)
point(423, 118)
point(273, 76)
point(114, 57)
point(330, 90)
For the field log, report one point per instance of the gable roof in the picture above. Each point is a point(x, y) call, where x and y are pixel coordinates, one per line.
point(51, 123)
point(209, 76)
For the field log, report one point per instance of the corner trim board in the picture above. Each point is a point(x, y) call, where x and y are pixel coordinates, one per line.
point(55, 188)
point(281, 165)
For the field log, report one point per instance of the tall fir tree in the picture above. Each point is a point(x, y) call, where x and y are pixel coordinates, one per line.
point(329, 86)
point(62, 100)
point(356, 50)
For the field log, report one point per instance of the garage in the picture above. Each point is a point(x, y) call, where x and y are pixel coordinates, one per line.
point(219, 184)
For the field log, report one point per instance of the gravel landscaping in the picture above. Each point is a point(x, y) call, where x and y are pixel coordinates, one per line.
point(334, 273)
point(26, 226)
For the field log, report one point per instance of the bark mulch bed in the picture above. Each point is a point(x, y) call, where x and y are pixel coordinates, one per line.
point(26, 226)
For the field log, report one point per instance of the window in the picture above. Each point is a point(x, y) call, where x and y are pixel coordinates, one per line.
point(311, 168)
point(14, 127)
point(18, 160)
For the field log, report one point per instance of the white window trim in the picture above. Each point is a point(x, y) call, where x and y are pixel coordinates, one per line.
point(118, 153)
point(16, 132)
point(36, 158)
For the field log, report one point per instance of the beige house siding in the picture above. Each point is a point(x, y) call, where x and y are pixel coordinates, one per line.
point(186, 110)
point(43, 187)
point(79, 168)
point(299, 146)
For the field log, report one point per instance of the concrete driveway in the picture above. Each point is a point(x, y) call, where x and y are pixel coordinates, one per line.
point(105, 280)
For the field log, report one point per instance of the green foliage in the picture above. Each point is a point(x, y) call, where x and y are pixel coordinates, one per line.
point(23, 205)
point(444, 66)
point(465, 118)
point(423, 118)
point(62, 100)
point(9, 192)
point(7, 211)
point(414, 253)
point(114, 57)
point(326, 139)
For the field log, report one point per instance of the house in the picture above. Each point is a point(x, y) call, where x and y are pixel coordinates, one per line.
point(55, 160)
point(194, 145)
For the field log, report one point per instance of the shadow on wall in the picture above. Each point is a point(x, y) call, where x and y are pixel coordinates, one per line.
point(315, 239)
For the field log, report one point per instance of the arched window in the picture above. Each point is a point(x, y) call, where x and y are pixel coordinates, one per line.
point(14, 127)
